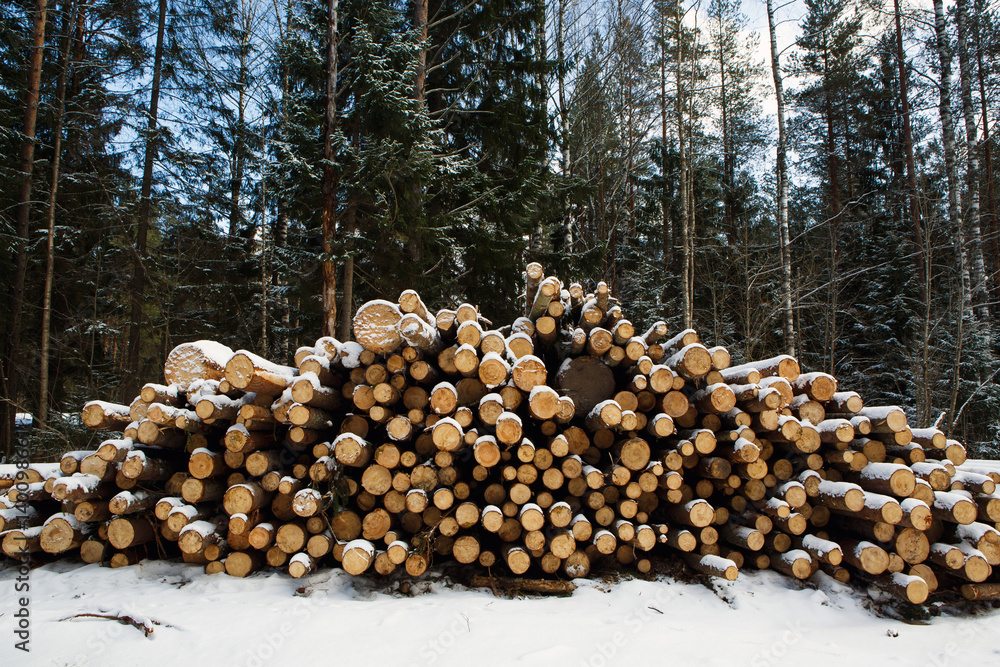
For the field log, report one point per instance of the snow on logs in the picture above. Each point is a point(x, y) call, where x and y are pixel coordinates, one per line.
point(569, 440)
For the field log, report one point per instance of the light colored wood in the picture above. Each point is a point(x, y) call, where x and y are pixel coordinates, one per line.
point(124, 532)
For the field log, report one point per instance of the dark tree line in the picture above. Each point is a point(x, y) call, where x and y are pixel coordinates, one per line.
point(251, 171)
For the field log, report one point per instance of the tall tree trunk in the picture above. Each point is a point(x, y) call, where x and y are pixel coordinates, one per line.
point(239, 159)
point(728, 175)
point(11, 370)
point(145, 196)
point(990, 205)
point(782, 167)
point(43, 373)
point(541, 107)
point(280, 235)
point(330, 176)
point(954, 217)
point(679, 106)
point(350, 220)
point(415, 199)
point(265, 270)
point(420, 23)
point(947, 121)
point(980, 286)
point(835, 214)
point(667, 227)
point(567, 161)
point(919, 256)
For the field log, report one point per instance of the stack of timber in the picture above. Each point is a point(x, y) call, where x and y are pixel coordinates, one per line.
point(562, 441)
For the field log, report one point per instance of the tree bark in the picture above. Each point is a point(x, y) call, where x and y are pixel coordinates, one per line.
point(951, 171)
point(782, 167)
point(43, 372)
point(911, 174)
point(236, 183)
point(420, 23)
point(668, 241)
point(835, 212)
point(990, 213)
point(11, 369)
point(728, 175)
point(330, 177)
point(980, 286)
point(947, 120)
point(688, 306)
point(567, 162)
point(280, 236)
point(145, 196)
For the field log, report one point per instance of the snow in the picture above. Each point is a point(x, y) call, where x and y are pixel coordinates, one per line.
point(302, 558)
point(539, 390)
point(203, 528)
point(679, 356)
point(799, 400)
point(982, 466)
point(806, 379)
point(188, 361)
point(762, 618)
point(78, 480)
point(831, 425)
point(361, 545)
point(136, 454)
point(445, 386)
point(528, 507)
point(323, 362)
point(350, 355)
point(108, 408)
point(218, 353)
point(881, 471)
point(65, 516)
point(189, 511)
point(221, 401)
point(510, 416)
point(490, 398)
point(673, 342)
point(200, 388)
point(285, 372)
point(880, 412)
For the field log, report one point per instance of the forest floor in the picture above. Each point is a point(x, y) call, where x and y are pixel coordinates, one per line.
point(763, 618)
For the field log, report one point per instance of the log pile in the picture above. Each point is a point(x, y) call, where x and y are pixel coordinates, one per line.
point(563, 440)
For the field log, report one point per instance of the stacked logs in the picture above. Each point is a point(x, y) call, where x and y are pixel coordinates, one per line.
point(564, 440)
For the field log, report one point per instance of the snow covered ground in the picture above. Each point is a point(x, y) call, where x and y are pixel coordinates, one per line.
point(329, 618)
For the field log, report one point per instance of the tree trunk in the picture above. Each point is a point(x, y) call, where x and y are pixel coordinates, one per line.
point(980, 286)
point(990, 213)
point(16, 296)
point(786, 255)
point(330, 177)
point(236, 184)
point(265, 272)
point(567, 162)
point(947, 121)
point(911, 174)
point(280, 236)
point(43, 373)
point(668, 241)
point(142, 216)
point(420, 23)
point(688, 306)
point(951, 171)
point(728, 175)
point(541, 102)
point(835, 211)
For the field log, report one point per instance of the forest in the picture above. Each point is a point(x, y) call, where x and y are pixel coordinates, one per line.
point(250, 172)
